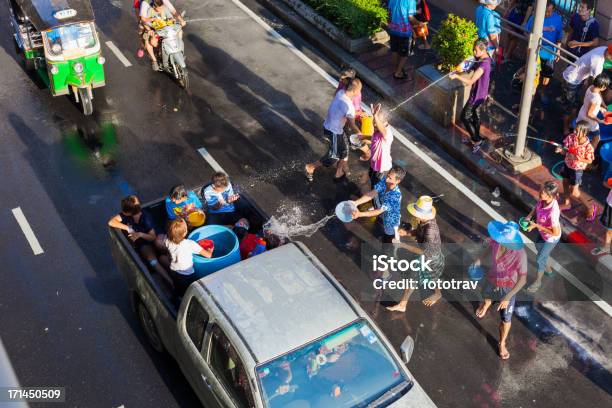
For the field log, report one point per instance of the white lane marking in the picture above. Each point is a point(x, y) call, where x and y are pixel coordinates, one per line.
point(213, 163)
point(439, 169)
point(27, 231)
point(118, 54)
point(286, 42)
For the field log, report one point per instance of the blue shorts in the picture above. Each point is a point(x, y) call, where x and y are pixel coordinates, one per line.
point(496, 294)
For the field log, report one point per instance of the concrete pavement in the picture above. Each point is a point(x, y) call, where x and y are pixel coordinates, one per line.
point(257, 109)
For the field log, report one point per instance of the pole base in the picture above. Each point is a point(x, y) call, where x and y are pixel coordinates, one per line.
point(518, 165)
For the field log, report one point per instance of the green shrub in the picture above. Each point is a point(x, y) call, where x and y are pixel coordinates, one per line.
point(454, 42)
point(357, 18)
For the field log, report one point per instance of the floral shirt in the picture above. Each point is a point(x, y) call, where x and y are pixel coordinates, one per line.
point(583, 151)
point(508, 268)
point(390, 202)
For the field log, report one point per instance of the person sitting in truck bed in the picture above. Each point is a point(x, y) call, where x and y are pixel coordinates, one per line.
point(181, 250)
point(138, 227)
point(221, 200)
point(181, 203)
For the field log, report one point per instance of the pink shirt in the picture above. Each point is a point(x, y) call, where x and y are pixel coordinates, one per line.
point(381, 151)
point(507, 270)
point(548, 217)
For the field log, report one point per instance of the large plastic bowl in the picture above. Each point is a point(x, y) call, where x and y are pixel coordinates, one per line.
point(606, 159)
point(226, 250)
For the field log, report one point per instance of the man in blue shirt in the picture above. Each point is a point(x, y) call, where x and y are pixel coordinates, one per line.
point(389, 195)
point(488, 23)
point(401, 19)
point(583, 30)
point(553, 32)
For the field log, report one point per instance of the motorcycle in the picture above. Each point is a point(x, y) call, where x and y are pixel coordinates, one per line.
point(171, 52)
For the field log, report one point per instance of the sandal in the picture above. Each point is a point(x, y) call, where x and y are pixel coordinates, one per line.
point(534, 287)
point(400, 77)
point(593, 215)
point(503, 356)
point(599, 251)
point(309, 176)
point(476, 148)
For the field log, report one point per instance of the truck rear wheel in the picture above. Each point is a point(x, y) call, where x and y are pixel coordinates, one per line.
point(148, 324)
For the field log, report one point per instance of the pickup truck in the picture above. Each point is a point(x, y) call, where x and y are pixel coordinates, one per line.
point(274, 330)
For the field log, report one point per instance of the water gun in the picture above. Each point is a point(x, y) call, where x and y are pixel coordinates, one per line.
point(259, 248)
point(572, 150)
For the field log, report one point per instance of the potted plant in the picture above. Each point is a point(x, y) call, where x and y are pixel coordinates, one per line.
point(453, 44)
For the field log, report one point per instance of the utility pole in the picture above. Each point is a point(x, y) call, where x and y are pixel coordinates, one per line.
point(530, 75)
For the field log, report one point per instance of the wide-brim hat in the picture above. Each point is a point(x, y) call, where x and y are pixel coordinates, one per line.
point(490, 2)
point(423, 209)
point(506, 234)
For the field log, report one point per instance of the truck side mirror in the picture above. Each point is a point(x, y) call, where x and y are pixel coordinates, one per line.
point(407, 348)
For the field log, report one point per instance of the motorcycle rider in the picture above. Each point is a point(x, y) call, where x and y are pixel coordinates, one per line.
point(149, 13)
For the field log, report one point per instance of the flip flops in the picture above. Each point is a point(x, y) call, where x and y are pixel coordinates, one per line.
point(599, 251)
point(593, 216)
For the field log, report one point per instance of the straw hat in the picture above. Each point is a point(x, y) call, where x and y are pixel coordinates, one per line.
point(423, 209)
point(506, 234)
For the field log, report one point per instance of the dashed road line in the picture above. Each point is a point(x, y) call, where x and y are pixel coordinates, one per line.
point(126, 62)
point(213, 163)
point(435, 166)
point(27, 231)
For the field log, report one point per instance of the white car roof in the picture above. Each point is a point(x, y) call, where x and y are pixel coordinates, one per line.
point(278, 301)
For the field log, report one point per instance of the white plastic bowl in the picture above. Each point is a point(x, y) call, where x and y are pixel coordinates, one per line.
point(344, 211)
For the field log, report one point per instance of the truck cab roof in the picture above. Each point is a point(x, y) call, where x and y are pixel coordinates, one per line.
point(279, 300)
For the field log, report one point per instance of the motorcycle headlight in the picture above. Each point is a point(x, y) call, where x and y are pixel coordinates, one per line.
point(101, 60)
point(78, 67)
point(54, 69)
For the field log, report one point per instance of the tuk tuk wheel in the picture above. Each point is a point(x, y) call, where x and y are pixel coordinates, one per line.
point(86, 103)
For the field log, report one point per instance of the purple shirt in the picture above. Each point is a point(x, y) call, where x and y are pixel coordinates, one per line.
point(381, 151)
point(548, 217)
point(583, 31)
point(480, 89)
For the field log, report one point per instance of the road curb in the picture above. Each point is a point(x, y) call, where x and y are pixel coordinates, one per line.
point(428, 127)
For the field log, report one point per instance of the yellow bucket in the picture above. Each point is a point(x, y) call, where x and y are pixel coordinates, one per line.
point(196, 219)
point(365, 207)
point(367, 125)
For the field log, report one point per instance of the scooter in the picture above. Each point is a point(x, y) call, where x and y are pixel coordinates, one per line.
point(172, 51)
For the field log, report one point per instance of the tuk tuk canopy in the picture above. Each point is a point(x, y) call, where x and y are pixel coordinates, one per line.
point(48, 14)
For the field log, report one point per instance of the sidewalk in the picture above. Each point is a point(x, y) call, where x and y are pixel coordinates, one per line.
point(374, 68)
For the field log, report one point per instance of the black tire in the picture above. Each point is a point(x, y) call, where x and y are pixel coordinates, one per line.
point(183, 77)
point(85, 99)
point(148, 325)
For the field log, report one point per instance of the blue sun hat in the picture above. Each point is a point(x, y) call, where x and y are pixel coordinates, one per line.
point(506, 234)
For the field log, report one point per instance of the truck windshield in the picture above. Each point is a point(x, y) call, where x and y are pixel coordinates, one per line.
point(71, 40)
point(348, 368)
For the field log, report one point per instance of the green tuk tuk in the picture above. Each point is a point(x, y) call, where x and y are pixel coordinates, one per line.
point(58, 39)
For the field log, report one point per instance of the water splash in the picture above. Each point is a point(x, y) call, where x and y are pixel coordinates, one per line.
point(290, 224)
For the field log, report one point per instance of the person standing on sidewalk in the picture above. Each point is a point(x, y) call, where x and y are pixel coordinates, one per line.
point(583, 30)
point(389, 195)
point(427, 234)
point(506, 277)
point(401, 20)
point(488, 23)
point(549, 55)
point(479, 80)
point(547, 221)
point(589, 65)
point(341, 111)
point(580, 154)
point(518, 12)
point(593, 105)
point(606, 221)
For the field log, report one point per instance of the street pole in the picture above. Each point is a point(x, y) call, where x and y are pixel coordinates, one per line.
point(530, 75)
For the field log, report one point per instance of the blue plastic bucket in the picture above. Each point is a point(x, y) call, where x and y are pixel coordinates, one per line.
point(606, 158)
point(476, 272)
point(226, 250)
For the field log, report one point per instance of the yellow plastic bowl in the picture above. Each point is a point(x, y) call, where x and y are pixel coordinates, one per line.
point(196, 219)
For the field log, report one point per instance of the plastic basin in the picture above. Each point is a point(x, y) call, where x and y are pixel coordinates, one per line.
point(226, 251)
point(606, 158)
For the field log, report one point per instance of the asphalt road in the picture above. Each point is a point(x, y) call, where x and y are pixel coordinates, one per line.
point(65, 318)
